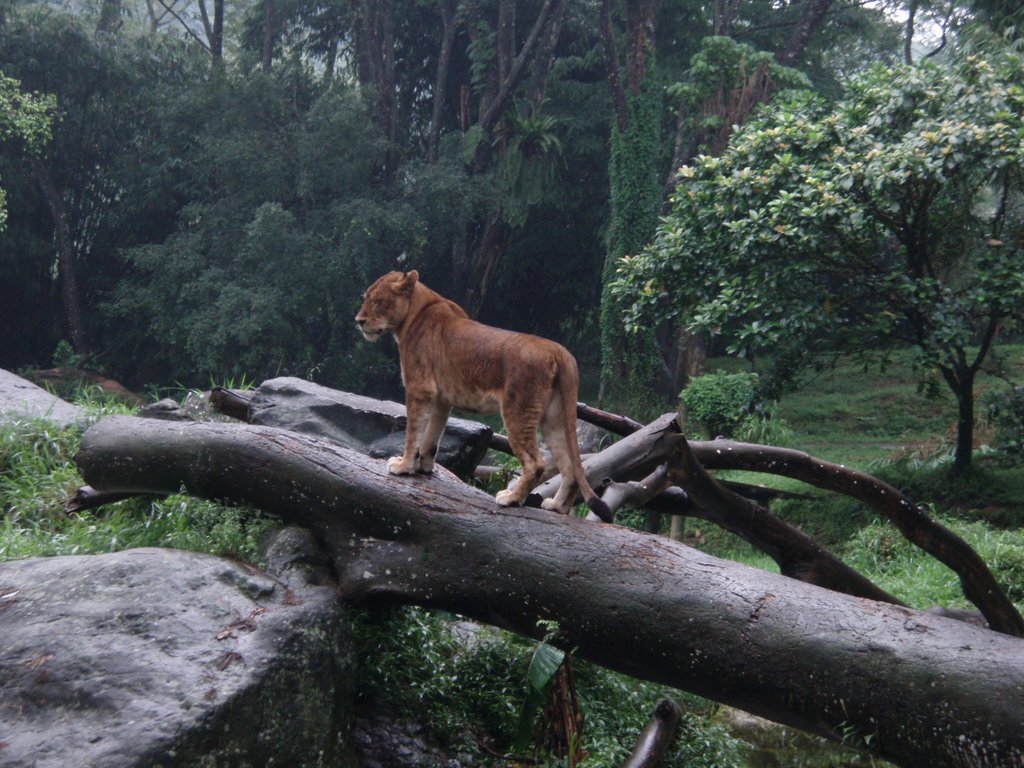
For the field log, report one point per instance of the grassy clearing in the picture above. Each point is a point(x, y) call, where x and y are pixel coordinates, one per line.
point(880, 421)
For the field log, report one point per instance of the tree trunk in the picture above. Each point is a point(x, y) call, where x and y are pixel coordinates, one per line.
point(269, 34)
point(444, 58)
point(964, 423)
point(66, 267)
point(486, 256)
point(217, 38)
point(631, 363)
point(110, 17)
point(918, 688)
point(536, 89)
point(810, 21)
point(908, 33)
point(375, 62)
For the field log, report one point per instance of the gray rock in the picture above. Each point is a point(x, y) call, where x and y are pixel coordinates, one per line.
point(195, 407)
point(155, 657)
point(21, 399)
point(167, 409)
point(364, 424)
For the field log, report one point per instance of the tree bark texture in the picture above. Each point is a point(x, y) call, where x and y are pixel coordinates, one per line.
point(925, 689)
point(660, 445)
point(444, 57)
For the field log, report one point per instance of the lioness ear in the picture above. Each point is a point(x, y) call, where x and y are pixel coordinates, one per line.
point(406, 282)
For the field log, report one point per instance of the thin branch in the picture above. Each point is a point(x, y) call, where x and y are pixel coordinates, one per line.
point(188, 29)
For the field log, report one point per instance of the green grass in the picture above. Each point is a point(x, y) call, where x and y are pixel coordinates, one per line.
point(38, 475)
point(855, 415)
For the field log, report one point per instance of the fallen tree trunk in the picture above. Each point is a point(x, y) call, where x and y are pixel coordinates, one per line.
point(921, 689)
point(795, 553)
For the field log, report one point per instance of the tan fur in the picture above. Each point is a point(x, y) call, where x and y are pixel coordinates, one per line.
point(449, 361)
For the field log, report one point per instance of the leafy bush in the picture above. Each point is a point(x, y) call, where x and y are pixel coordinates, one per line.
point(731, 405)
point(720, 402)
point(1005, 412)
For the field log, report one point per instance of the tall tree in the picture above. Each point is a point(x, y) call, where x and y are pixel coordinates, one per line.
point(631, 364)
point(97, 89)
point(891, 220)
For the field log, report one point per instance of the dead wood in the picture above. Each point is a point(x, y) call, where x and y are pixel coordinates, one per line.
point(801, 558)
point(976, 580)
point(927, 690)
point(657, 737)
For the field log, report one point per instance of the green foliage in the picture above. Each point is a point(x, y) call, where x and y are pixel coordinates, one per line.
point(64, 356)
point(468, 687)
point(884, 220)
point(266, 264)
point(1005, 411)
point(540, 676)
point(630, 362)
point(455, 686)
point(720, 402)
point(721, 66)
point(27, 117)
point(528, 165)
point(885, 556)
point(732, 405)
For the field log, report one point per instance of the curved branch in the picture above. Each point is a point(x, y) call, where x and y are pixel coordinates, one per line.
point(977, 581)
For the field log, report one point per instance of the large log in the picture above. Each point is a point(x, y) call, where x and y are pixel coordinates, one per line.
point(921, 689)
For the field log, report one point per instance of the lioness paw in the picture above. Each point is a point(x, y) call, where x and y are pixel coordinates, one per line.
point(506, 498)
point(396, 466)
point(550, 504)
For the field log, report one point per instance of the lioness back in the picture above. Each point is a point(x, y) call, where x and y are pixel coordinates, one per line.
point(449, 360)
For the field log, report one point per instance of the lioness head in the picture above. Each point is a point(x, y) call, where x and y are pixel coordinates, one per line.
point(385, 304)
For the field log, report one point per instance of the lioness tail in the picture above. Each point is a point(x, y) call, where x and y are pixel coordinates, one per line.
point(569, 393)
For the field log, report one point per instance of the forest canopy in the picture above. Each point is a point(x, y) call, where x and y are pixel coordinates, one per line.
point(222, 180)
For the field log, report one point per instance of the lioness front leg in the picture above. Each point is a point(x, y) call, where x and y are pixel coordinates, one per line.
point(431, 437)
point(417, 418)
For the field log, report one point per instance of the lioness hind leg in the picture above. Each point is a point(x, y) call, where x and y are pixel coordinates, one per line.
point(523, 439)
point(553, 429)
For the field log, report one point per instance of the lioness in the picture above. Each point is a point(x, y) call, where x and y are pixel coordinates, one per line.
point(451, 361)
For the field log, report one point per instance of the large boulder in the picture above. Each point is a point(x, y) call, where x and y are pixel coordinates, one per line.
point(155, 657)
point(375, 427)
point(21, 399)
